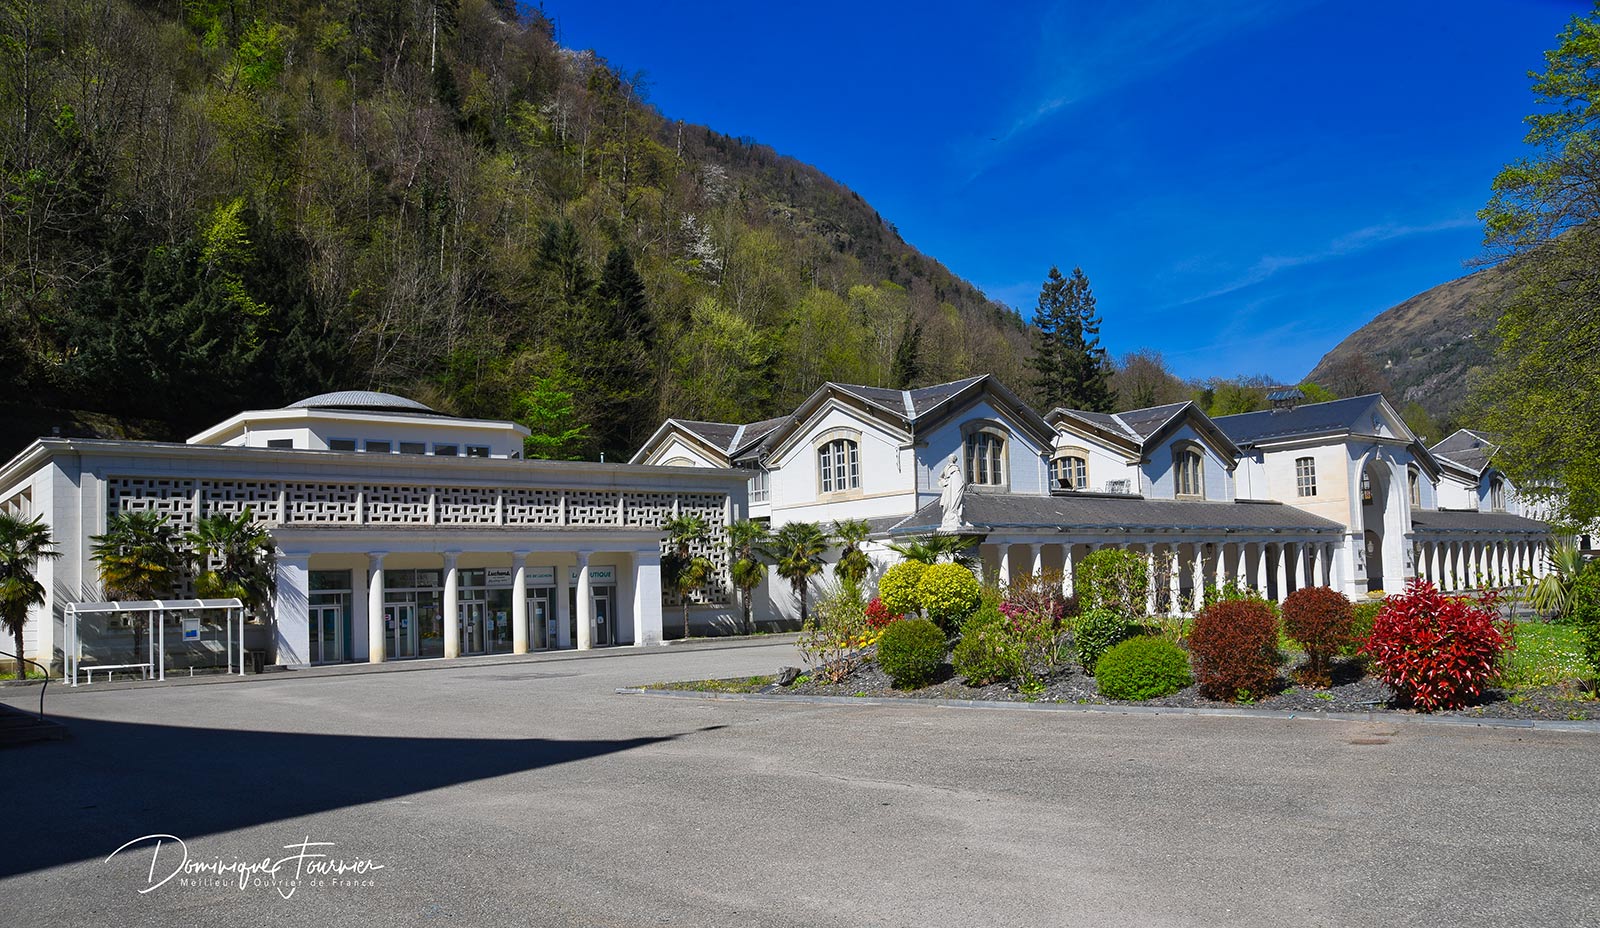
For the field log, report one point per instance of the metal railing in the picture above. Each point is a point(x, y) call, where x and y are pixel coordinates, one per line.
point(23, 675)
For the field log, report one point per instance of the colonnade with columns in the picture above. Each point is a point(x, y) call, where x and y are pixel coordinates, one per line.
point(1182, 566)
point(1456, 563)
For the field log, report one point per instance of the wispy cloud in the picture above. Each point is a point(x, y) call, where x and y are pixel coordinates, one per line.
point(1089, 49)
point(1350, 243)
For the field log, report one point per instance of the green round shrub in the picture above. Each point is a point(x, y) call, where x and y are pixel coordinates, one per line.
point(949, 594)
point(1145, 667)
point(911, 652)
point(897, 589)
point(1099, 630)
point(1362, 616)
point(1583, 612)
point(987, 652)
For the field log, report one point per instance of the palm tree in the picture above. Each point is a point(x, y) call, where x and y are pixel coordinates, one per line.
point(684, 571)
point(853, 562)
point(138, 558)
point(745, 540)
point(797, 550)
point(243, 552)
point(1548, 594)
point(931, 549)
point(23, 544)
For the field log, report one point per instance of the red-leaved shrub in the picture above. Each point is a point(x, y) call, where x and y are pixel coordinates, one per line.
point(1323, 621)
point(1434, 651)
point(1234, 649)
point(878, 615)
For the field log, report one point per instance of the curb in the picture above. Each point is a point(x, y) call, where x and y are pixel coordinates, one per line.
point(414, 665)
point(1455, 721)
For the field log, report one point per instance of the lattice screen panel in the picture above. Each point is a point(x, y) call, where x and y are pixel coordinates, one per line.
point(591, 507)
point(391, 504)
point(533, 507)
point(326, 503)
point(468, 506)
point(232, 497)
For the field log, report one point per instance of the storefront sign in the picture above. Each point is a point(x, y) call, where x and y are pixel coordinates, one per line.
point(598, 576)
point(497, 577)
point(541, 576)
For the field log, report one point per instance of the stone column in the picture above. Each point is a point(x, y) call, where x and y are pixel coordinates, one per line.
point(1222, 564)
point(1283, 572)
point(1002, 560)
point(1263, 565)
point(1150, 579)
point(647, 597)
point(1068, 585)
point(452, 605)
point(585, 604)
point(376, 627)
point(292, 609)
point(519, 602)
point(1175, 582)
point(563, 609)
point(1038, 559)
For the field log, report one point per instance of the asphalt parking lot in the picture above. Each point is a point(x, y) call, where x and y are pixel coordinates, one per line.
point(529, 793)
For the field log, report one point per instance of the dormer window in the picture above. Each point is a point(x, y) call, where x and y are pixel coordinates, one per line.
point(1070, 471)
point(1414, 486)
point(1188, 472)
point(1497, 494)
point(986, 458)
point(839, 465)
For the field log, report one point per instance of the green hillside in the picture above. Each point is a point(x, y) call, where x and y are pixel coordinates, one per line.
point(259, 201)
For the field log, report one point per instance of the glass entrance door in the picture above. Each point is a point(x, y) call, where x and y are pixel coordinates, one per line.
point(471, 616)
point(400, 630)
point(327, 638)
point(539, 620)
point(602, 618)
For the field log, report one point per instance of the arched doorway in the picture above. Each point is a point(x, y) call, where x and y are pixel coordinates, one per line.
point(1374, 506)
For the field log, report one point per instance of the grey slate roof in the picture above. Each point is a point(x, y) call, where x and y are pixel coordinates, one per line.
point(1466, 520)
point(359, 399)
point(1470, 449)
point(717, 434)
point(922, 399)
point(1145, 422)
point(1014, 510)
point(1353, 414)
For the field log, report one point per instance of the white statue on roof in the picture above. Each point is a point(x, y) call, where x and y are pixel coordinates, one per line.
point(952, 494)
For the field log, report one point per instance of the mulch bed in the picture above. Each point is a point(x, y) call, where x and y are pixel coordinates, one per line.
point(1352, 691)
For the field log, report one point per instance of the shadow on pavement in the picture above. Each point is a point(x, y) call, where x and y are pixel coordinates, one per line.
point(116, 781)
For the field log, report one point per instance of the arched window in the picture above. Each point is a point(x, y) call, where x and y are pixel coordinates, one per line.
point(1188, 472)
point(839, 465)
point(1414, 486)
point(1305, 476)
point(986, 459)
point(1497, 494)
point(1070, 471)
point(679, 461)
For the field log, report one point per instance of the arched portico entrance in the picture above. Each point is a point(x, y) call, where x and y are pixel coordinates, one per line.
point(1374, 492)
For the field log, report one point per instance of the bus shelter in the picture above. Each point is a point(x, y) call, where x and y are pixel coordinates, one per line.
point(134, 636)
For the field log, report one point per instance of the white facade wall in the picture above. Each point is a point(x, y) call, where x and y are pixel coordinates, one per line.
point(1105, 464)
point(1027, 459)
point(885, 471)
point(1156, 479)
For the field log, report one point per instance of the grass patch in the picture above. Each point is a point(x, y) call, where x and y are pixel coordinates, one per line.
point(729, 685)
point(1545, 655)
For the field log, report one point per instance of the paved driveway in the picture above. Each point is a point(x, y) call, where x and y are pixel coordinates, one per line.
point(530, 794)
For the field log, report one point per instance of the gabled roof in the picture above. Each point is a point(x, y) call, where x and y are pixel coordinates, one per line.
point(911, 410)
point(1138, 428)
point(1335, 416)
point(1469, 449)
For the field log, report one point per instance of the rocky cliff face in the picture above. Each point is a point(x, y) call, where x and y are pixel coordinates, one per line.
point(1428, 346)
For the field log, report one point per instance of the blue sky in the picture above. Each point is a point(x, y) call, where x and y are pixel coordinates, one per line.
point(1244, 181)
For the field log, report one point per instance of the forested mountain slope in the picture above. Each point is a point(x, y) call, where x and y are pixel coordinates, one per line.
point(1426, 347)
point(211, 206)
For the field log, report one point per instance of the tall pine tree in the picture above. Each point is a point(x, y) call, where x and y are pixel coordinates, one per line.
point(1070, 365)
point(619, 354)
